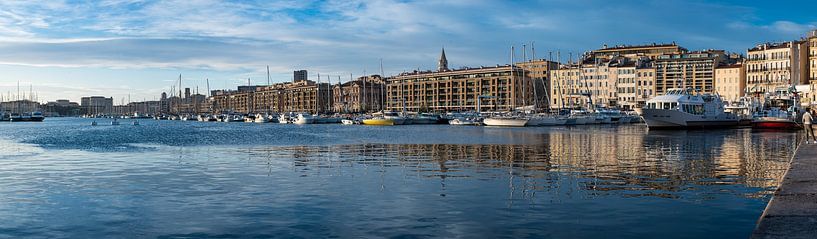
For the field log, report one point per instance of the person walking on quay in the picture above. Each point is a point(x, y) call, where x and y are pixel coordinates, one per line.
point(807, 119)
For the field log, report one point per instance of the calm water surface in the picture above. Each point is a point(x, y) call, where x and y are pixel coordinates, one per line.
point(64, 178)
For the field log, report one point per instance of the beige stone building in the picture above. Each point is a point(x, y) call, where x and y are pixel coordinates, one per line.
point(300, 96)
point(488, 88)
point(499, 88)
point(625, 85)
point(812, 55)
point(776, 65)
point(599, 82)
point(730, 82)
point(361, 95)
point(539, 72)
point(645, 86)
point(568, 89)
point(579, 85)
point(687, 70)
point(619, 82)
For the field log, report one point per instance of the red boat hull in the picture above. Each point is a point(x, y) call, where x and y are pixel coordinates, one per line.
point(775, 125)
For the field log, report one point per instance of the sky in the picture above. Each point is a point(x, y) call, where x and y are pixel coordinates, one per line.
point(133, 50)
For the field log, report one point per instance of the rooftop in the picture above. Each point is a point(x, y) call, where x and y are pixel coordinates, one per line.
point(772, 45)
point(631, 47)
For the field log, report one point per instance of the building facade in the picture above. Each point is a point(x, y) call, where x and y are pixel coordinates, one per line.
point(730, 82)
point(20, 106)
point(497, 88)
point(300, 75)
point(645, 84)
point(364, 94)
point(567, 90)
point(812, 55)
point(618, 82)
point(94, 105)
point(61, 108)
point(687, 70)
point(300, 96)
point(539, 73)
point(776, 65)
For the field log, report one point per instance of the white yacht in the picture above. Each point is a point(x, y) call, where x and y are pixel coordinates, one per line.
point(505, 121)
point(580, 117)
point(305, 118)
point(546, 120)
point(684, 108)
point(394, 116)
point(261, 118)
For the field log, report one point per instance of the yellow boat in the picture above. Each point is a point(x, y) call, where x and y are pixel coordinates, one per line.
point(378, 121)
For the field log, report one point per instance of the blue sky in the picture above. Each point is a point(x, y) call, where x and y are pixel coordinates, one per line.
point(69, 49)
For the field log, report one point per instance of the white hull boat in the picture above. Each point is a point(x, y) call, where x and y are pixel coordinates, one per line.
point(459, 121)
point(680, 108)
point(508, 122)
point(546, 121)
point(304, 119)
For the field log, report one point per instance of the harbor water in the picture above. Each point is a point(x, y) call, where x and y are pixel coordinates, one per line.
point(64, 178)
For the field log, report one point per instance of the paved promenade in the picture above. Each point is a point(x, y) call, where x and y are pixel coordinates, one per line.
point(792, 212)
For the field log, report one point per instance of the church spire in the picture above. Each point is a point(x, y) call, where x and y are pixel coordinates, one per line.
point(442, 65)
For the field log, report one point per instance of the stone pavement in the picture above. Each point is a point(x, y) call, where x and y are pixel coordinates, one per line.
point(792, 212)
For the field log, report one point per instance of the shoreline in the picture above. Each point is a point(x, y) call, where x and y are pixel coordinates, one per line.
point(792, 211)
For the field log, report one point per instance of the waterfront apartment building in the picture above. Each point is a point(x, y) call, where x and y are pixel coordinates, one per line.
point(650, 51)
point(19, 106)
point(645, 84)
point(598, 80)
point(539, 72)
point(366, 93)
point(687, 70)
point(776, 65)
point(95, 105)
point(498, 88)
point(567, 90)
point(617, 82)
point(239, 100)
point(730, 82)
point(191, 103)
point(61, 108)
point(812, 55)
point(625, 80)
point(301, 96)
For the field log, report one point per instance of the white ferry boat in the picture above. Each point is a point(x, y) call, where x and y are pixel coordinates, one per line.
point(684, 108)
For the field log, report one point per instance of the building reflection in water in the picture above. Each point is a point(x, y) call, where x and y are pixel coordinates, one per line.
point(629, 160)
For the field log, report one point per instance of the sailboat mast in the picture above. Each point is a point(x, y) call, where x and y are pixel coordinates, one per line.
point(533, 87)
point(382, 86)
point(513, 58)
